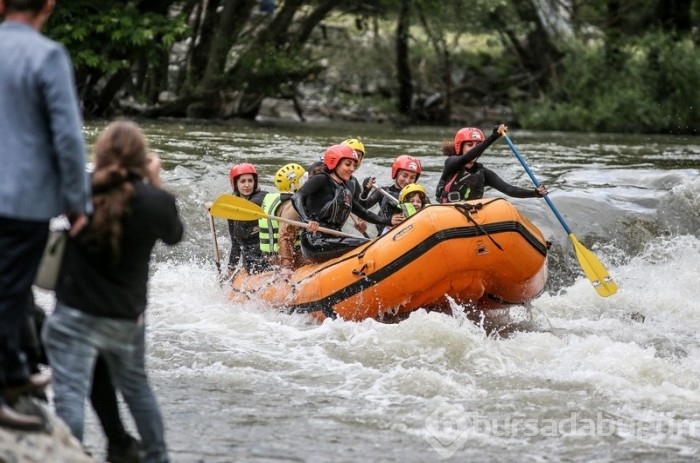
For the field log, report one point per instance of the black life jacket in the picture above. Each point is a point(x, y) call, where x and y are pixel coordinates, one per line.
point(335, 212)
point(464, 185)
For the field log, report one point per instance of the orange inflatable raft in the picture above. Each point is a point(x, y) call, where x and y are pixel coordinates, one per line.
point(482, 254)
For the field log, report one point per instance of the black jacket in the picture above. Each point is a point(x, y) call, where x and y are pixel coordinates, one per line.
point(245, 240)
point(101, 284)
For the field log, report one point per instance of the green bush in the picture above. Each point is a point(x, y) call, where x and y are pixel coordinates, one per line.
point(654, 89)
point(107, 35)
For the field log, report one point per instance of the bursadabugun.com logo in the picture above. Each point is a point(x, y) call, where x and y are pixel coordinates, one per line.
point(449, 427)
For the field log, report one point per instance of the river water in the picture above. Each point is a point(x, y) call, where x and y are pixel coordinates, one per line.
point(576, 377)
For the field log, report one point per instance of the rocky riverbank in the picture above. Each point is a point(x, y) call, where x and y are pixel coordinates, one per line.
point(316, 103)
point(53, 445)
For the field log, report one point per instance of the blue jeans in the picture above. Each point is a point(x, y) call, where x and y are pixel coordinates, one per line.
point(72, 340)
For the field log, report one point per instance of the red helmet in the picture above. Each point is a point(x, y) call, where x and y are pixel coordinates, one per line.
point(406, 162)
point(337, 152)
point(467, 134)
point(240, 169)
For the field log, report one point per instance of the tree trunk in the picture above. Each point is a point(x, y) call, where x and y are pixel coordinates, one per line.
point(205, 26)
point(432, 112)
point(403, 64)
point(212, 81)
point(227, 30)
point(249, 105)
point(278, 35)
point(537, 54)
point(613, 55)
point(314, 19)
point(106, 97)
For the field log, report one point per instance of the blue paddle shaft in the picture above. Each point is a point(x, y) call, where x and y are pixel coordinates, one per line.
point(537, 184)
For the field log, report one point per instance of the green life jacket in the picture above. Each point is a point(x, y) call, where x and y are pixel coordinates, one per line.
point(269, 228)
point(407, 209)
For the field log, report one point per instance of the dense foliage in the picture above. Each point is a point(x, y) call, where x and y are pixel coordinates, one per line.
point(584, 65)
point(652, 87)
point(115, 45)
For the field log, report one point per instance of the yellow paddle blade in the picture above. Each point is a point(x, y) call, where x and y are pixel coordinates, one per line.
point(232, 207)
point(594, 270)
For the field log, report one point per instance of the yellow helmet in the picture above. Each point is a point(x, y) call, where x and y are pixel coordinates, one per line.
point(411, 188)
point(357, 145)
point(287, 178)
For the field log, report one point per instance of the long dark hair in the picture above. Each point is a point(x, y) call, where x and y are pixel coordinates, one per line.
point(119, 157)
point(448, 148)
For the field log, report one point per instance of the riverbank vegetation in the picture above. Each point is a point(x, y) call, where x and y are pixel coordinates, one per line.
point(577, 65)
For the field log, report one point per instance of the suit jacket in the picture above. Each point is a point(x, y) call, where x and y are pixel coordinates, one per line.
point(42, 151)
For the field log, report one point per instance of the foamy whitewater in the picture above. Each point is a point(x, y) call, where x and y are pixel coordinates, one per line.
point(574, 377)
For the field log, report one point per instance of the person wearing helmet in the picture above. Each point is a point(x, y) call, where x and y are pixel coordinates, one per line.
point(245, 240)
point(359, 148)
point(404, 171)
point(312, 170)
point(327, 199)
point(288, 177)
point(287, 180)
point(412, 199)
point(463, 178)
point(290, 256)
point(359, 224)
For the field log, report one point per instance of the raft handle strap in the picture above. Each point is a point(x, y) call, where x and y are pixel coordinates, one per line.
point(360, 272)
point(466, 209)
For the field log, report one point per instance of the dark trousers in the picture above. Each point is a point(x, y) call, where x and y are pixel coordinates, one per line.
point(104, 401)
point(21, 246)
point(320, 247)
point(30, 341)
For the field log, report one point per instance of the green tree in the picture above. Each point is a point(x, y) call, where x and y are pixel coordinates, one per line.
point(626, 65)
point(108, 40)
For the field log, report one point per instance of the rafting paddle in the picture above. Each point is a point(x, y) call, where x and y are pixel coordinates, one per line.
point(387, 194)
point(594, 270)
point(356, 222)
point(228, 206)
point(215, 243)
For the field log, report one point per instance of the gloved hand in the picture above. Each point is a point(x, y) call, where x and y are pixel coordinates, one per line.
point(367, 185)
point(440, 191)
point(361, 226)
point(499, 130)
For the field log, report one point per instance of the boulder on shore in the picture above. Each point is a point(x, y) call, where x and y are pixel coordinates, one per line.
point(55, 444)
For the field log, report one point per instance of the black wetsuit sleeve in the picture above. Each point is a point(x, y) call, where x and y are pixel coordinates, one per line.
point(494, 181)
point(373, 198)
point(299, 199)
point(235, 255)
point(166, 218)
point(298, 203)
